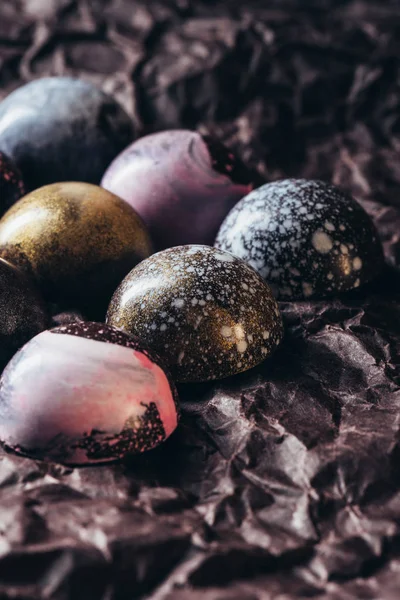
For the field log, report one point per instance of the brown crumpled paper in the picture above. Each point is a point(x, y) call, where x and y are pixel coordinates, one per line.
point(283, 482)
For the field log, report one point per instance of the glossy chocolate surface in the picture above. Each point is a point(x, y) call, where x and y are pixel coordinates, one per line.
point(98, 395)
point(306, 238)
point(76, 240)
point(62, 129)
point(207, 313)
point(181, 183)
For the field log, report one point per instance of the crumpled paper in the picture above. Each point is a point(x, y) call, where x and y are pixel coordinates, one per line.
point(283, 482)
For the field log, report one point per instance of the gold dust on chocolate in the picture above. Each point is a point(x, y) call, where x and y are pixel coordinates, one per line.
point(139, 435)
point(22, 311)
point(206, 313)
point(76, 240)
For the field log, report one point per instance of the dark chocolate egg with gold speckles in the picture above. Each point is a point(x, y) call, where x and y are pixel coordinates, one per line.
point(306, 238)
point(76, 240)
point(181, 183)
point(22, 311)
point(11, 185)
point(62, 129)
point(207, 313)
point(85, 393)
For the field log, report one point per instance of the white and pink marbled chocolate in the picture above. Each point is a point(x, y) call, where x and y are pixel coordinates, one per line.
point(80, 400)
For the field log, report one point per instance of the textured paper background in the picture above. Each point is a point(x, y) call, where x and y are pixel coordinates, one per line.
point(283, 482)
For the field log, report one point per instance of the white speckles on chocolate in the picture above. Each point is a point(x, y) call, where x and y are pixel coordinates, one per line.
point(329, 226)
point(357, 263)
point(307, 289)
point(226, 331)
point(224, 257)
point(306, 238)
point(222, 311)
point(241, 346)
point(322, 242)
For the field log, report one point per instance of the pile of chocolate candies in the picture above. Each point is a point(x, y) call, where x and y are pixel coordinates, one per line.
point(166, 248)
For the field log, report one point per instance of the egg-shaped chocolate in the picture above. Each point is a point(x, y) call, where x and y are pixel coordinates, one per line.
point(181, 183)
point(306, 238)
point(207, 313)
point(60, 129)
point(76, 240)
point(11, 185)
point(85, 393)
point(22, 311)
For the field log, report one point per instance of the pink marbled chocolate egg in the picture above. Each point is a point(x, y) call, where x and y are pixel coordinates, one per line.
point(181, 183)
point(85, 393)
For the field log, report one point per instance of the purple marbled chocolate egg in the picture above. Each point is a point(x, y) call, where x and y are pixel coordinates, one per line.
point(181, 183)
point(85, 393)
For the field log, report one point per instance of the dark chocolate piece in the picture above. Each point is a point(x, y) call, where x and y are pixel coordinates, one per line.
point(62, 129)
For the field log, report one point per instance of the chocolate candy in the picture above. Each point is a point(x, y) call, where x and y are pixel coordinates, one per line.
point(11, 185)
point(76, 240)
point(181, 183)
point(207, 313)
point(60, 129)
point(84, 393)
point(306, 238)
point(22, 311)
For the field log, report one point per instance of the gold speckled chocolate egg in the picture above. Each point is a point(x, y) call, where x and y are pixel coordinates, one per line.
point(207, 313)
point(76, 240)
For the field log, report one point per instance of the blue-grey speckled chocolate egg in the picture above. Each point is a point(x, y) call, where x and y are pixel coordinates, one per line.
point(306, 238)
point(62, 129)
point(206, 313)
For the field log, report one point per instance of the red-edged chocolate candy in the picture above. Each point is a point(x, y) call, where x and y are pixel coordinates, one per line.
point(85, 393)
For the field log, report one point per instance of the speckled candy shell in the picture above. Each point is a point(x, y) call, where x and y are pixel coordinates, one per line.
point(207, 313)
point(181, 183)
point(22, 311)
point(83, 394)
point(76, 240)
point(11, 185)
point(306, 238)
point(61, 129)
